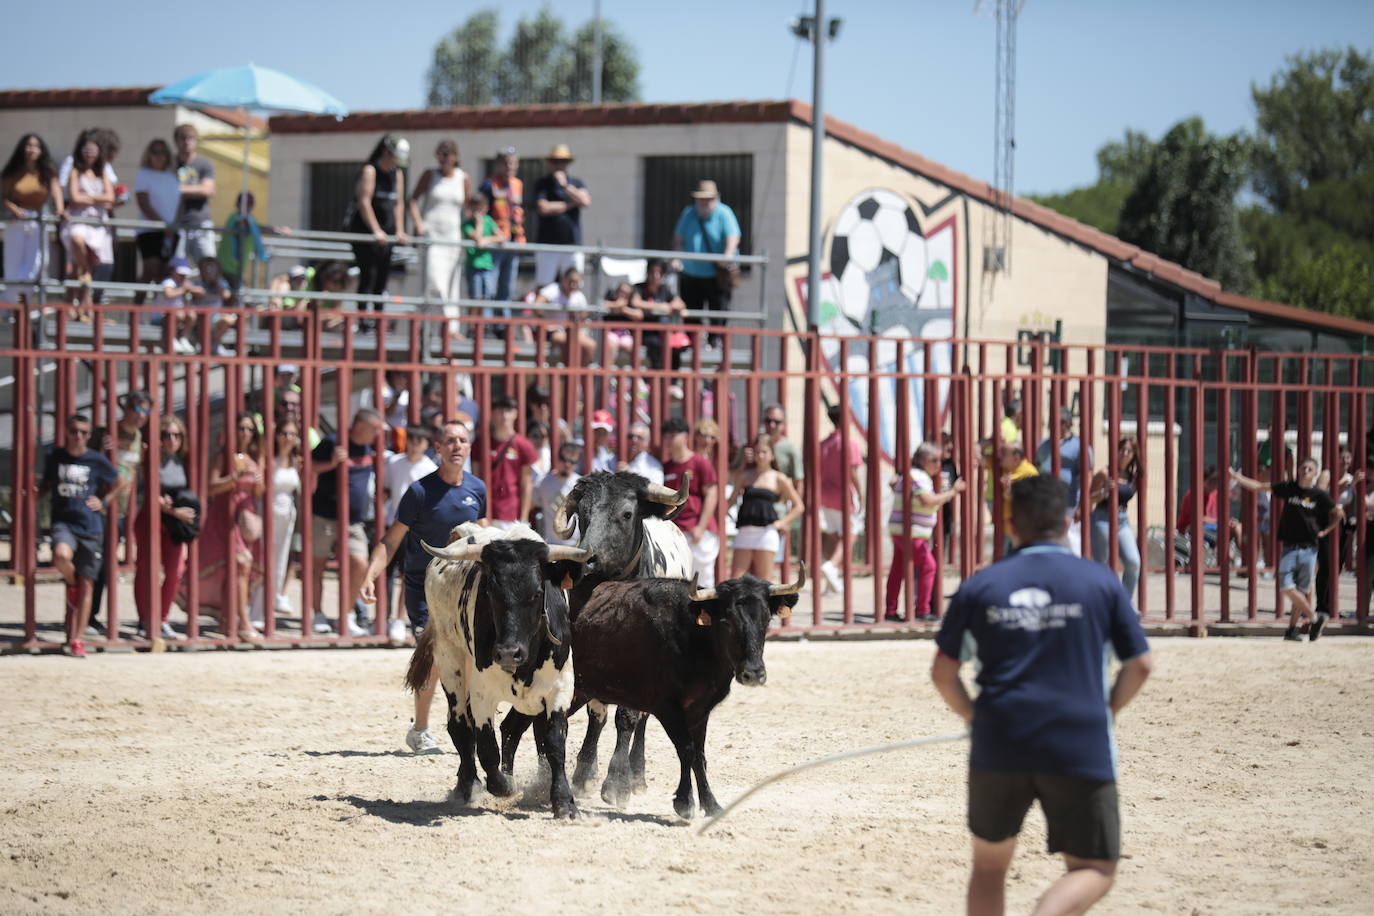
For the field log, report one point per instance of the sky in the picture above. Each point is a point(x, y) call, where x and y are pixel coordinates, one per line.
point(919, 73)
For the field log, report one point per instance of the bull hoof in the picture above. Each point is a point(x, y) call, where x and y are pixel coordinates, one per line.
point(499, 785)
point(564, 809)
point(637, 784)
point(711, 808)
point(583, 775)
point(613, 793)
point(462, 791)
point(685, 807)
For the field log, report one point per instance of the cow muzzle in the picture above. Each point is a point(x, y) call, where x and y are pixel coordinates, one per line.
point(752, 676)
point(510, 657)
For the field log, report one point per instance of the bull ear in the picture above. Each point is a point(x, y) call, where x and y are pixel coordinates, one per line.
point(703, 619)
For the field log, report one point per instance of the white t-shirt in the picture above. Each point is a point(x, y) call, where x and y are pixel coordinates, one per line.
point(400, 411)
point(164, 192)
point(554, 294)
point(398, 475)
point(547, 495)
point(168, 286)
point(646, 466)
point(65, 170)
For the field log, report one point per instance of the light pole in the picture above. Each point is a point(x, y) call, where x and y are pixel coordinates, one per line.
point(806, 27)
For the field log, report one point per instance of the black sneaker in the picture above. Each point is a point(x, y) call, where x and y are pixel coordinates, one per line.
point(1291, 635)
point(1318, 623)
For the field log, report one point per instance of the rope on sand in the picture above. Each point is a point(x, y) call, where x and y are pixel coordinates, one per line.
point(824, 761)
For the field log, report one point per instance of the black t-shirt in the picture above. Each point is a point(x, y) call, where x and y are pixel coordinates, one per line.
point(73, 479)
point(1306, 511)
point(359, 476)
point(562, 228)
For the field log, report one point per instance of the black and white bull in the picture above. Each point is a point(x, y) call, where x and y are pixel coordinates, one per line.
point(499, 633)
point(624, 523)
point(662, 646)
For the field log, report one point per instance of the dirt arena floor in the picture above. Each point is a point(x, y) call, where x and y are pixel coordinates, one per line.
point(257, 781)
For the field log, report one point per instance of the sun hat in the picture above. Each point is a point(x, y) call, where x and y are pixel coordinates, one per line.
point(706, 190)
point(602, 419)
point(560, 151)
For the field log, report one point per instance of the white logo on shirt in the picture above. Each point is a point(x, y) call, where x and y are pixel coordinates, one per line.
point(1032, 609)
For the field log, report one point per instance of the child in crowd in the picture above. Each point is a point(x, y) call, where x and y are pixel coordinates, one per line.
point(176, 288)
point(215, 291)
point(922, 510)
point(480, 266)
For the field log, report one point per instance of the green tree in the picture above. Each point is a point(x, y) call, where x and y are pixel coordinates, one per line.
point(1315, 123)
point(541, 64)
point(1338, 279)
point(1124, 161)
point(1183, 206)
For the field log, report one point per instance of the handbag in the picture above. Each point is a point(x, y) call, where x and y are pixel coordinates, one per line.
point(250, 525)
point(727, 275)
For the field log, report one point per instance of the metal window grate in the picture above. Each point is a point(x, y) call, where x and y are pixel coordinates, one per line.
point(670, 180)
point(331, 188)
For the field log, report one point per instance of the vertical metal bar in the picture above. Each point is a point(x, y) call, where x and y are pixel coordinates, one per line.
point(1142, 497)
point(1198, 625)
point(1223, 394)
point(1170, 493)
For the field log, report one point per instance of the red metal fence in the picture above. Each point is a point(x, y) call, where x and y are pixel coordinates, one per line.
point(1189, 409)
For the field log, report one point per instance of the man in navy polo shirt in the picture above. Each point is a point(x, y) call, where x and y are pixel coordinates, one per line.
point(431, 508)
point(1040, 623)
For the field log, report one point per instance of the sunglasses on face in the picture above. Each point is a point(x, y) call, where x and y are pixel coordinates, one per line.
point(171, 434)
point(771, 421)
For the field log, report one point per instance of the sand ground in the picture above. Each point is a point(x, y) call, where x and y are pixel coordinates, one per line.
point(253, 781)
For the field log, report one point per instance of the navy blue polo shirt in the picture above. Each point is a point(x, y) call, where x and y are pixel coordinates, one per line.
point(1040, 624)
point(431, 508)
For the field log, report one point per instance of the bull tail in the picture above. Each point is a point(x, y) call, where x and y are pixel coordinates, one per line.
point(421, 661)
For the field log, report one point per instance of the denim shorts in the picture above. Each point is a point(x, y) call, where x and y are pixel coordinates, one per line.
point(1297, 567)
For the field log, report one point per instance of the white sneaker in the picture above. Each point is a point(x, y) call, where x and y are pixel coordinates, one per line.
point(284, 605)
point(832, 576)
point(396, 632)
point(184, 346)
point(354, 629)
point(168, 632)
point(322, 624)
point(421, 741)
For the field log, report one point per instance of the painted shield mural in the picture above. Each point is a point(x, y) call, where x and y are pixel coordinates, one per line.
point(892, 278)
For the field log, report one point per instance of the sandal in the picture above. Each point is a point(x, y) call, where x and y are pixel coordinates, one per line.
point(250, 635)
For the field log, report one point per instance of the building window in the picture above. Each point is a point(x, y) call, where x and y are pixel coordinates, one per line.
point(331, 190)
point(670, 180)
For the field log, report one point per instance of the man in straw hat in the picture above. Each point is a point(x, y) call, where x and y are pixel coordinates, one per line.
point(559, 198)
point(709, 227)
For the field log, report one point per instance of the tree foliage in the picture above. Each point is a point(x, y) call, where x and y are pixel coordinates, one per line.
point(1183, 206)
point(542, 63)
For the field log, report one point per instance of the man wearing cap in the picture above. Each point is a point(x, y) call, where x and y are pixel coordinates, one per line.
point(603, 452)
point(506, 193)
point(559, 198)
point(708, 227)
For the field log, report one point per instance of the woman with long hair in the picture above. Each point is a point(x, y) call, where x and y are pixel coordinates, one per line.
point(28, 184)
point(91, 195)
point(234, 527)
point(1127, 482)
point(157, 192)
point(758, 488)
point(172, 477)
point(286, 488)
point(378, 208)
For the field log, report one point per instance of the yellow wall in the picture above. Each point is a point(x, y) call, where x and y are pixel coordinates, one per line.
point(225, 151)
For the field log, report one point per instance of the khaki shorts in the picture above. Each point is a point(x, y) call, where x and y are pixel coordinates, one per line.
point(832, 522)
point(325, 533)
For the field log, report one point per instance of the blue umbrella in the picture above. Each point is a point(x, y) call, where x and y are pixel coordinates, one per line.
point(250, 88)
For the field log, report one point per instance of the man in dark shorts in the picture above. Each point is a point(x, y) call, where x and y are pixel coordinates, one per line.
point(1309, 514)
point(431, 507)
point(1039, 623)
point(83, 485)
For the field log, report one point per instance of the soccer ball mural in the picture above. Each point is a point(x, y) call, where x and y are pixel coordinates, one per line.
point(890, 278)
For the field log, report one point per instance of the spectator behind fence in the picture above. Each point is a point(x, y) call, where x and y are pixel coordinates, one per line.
point(925, 502)
point(758, 488)
point(949, 473)
point(841, 494)
point(196, 175)
point(641, 460)
point(296, 280)
point(436, 212)
point(697, 517)
point(157, 192)
point(172, 504)
point(286, 490)
point(1345, 479)
point(1309, 514)
point(1070, 449)
point(565, 294)
point(241, 248)
point(355, 457)
point(127, 446)
point(559, 199)
point(90, 195)
point(550, 492)
point(214, 292)
point(1041, 726)
point(603, 444)
point(233, 527)
point(658, 304)
point(512, 459)
point(1127, 483)
point(178, 289)
point(83, 484)
point(480, 269)
point(506, 193)
point(708, 226)
point(378, 208)
point(402, 470)
point(537, 431)
point(1011, 467)
point(28, 185)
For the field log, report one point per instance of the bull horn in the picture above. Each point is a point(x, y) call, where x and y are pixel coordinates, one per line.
point(469, 552)
point(657, 492)
point(562, 525)
point(697, 595)
point(559, 552)
point(795, 587)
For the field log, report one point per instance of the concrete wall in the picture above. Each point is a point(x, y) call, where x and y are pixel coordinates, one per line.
point(608, 159)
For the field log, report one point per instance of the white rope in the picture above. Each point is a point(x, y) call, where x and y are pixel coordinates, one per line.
point(823, 761)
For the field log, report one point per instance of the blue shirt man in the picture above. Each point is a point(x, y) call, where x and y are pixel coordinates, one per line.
point(1070, 451)
point(1041, 623)
point(709, 227)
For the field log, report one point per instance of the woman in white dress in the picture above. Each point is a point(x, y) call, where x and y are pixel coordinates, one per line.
point(89, 194)
point(436, 210)
point(286, 488)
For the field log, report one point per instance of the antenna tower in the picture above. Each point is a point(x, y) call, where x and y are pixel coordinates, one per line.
point(997, 256)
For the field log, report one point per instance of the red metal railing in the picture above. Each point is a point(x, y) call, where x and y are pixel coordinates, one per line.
point(1189, 408)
